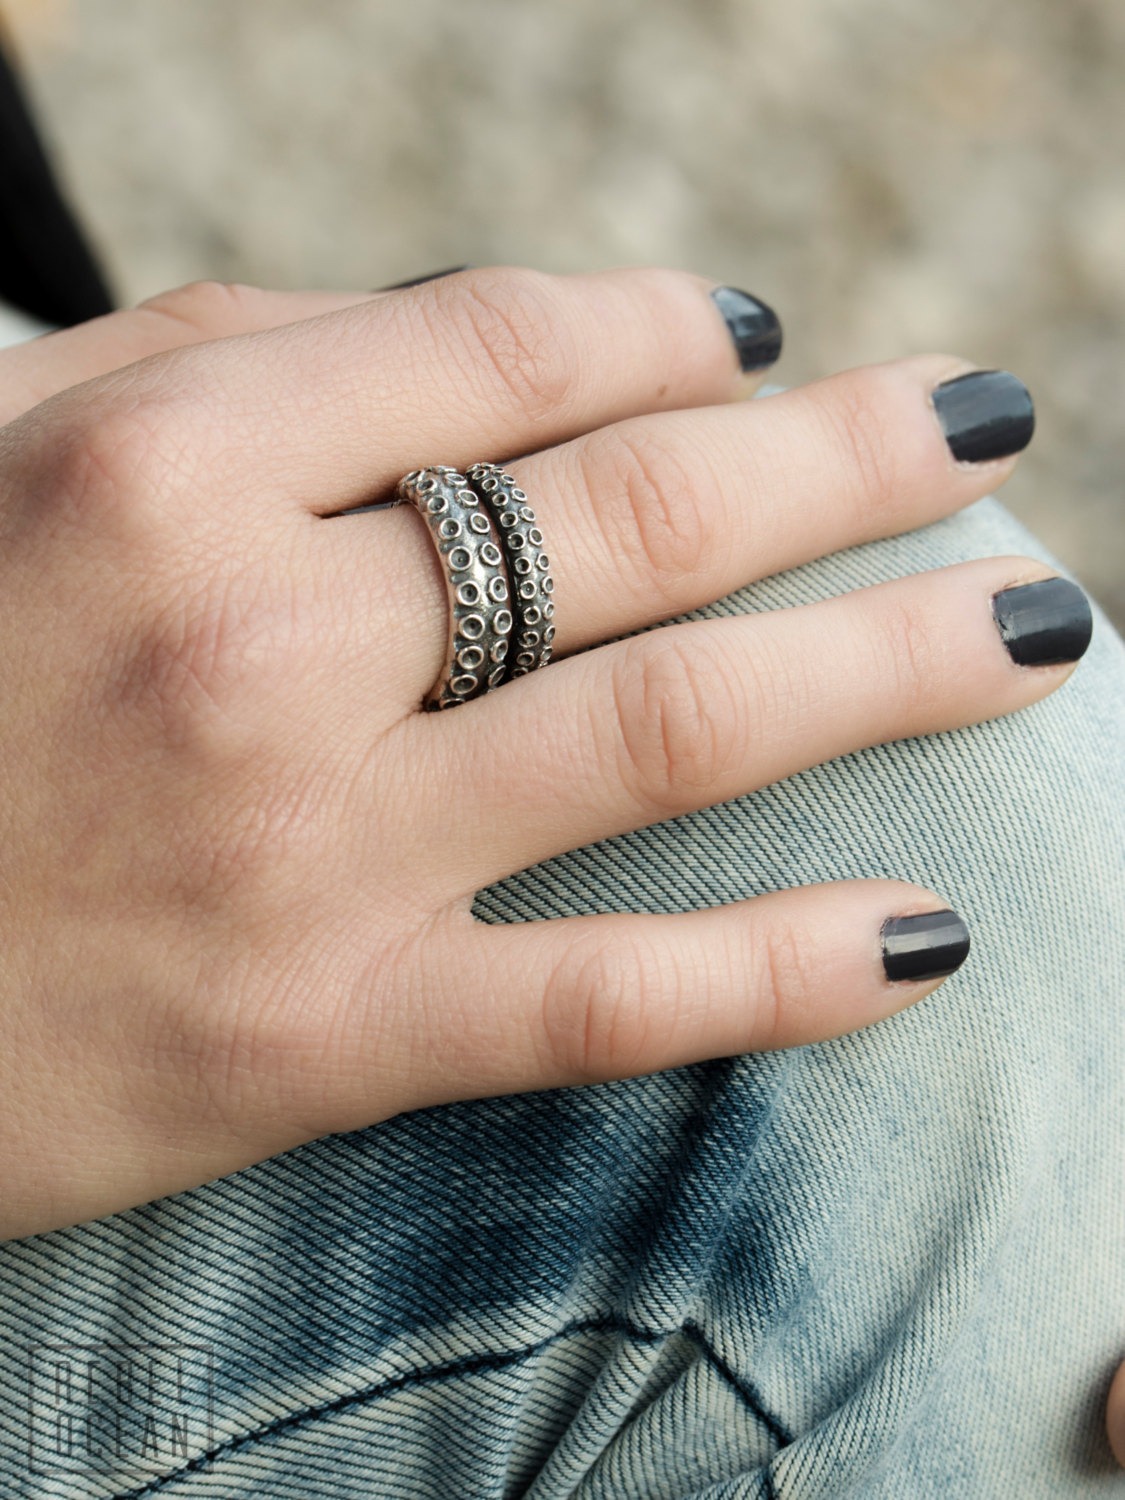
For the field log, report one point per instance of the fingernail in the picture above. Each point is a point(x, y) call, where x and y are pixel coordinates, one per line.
point(754, 328)
point(924, 947)
point(984, 415)
point(1044, 623)
point(399, 286)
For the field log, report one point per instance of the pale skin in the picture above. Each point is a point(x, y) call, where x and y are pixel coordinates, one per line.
point(234, 916)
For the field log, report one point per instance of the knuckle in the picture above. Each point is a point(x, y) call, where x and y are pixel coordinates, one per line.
point(650, 506)
point(204, 307)
point(786, 986)
point(864, 430)
point(515, 336)
point(676, 721)
point(784, 686)
point(194, 667)
point(597, 1007)
point(105, 460)
point(909, 652)
point(116, 466)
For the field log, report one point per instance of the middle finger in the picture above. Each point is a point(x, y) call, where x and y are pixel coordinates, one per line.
point(661, 514)
point(657, 515)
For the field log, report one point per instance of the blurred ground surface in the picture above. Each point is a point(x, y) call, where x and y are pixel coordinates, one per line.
point(893, 175)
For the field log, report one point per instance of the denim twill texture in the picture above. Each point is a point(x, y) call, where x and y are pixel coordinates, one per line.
point(890, 1266)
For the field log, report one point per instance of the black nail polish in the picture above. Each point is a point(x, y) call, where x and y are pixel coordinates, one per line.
point(987, 414)
point(400, 286)
point(753, 326)
point(1044, 623)
point(924, 947)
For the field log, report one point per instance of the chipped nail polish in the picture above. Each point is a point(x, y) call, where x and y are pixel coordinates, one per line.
point(1044, 623)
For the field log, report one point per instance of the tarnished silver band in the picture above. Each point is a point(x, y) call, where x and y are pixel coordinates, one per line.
point(529, 567)
point(476, 576)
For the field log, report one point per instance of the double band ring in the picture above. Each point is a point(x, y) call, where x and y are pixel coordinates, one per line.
point(497, 577)
point(529, 577)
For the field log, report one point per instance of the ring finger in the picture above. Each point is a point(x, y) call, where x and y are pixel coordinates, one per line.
point(697, 713)
point(661, 514)
point(656, 515)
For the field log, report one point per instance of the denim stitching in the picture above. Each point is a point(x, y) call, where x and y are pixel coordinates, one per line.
point(468, 1366)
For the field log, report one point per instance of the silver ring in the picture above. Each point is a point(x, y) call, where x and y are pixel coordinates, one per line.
point(476, 578)
point(529, 568)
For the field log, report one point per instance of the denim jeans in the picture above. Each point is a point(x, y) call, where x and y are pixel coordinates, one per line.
point(890, 1266)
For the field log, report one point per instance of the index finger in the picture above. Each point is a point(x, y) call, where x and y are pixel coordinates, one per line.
point(191, 314)
point(330, 412)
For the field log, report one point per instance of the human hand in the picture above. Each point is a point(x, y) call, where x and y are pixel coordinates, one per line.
point(239, 862)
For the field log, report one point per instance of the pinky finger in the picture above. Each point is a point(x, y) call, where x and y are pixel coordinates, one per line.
point(587, 999)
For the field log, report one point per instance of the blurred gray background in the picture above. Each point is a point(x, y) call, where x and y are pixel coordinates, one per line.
point(892, 175)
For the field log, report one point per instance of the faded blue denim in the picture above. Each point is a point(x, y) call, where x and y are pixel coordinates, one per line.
point(890, 1266)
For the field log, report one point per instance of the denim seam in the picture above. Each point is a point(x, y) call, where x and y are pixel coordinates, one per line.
point(470, 1366)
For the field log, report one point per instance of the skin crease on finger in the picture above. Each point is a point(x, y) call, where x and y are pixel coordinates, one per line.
point(225, 945)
